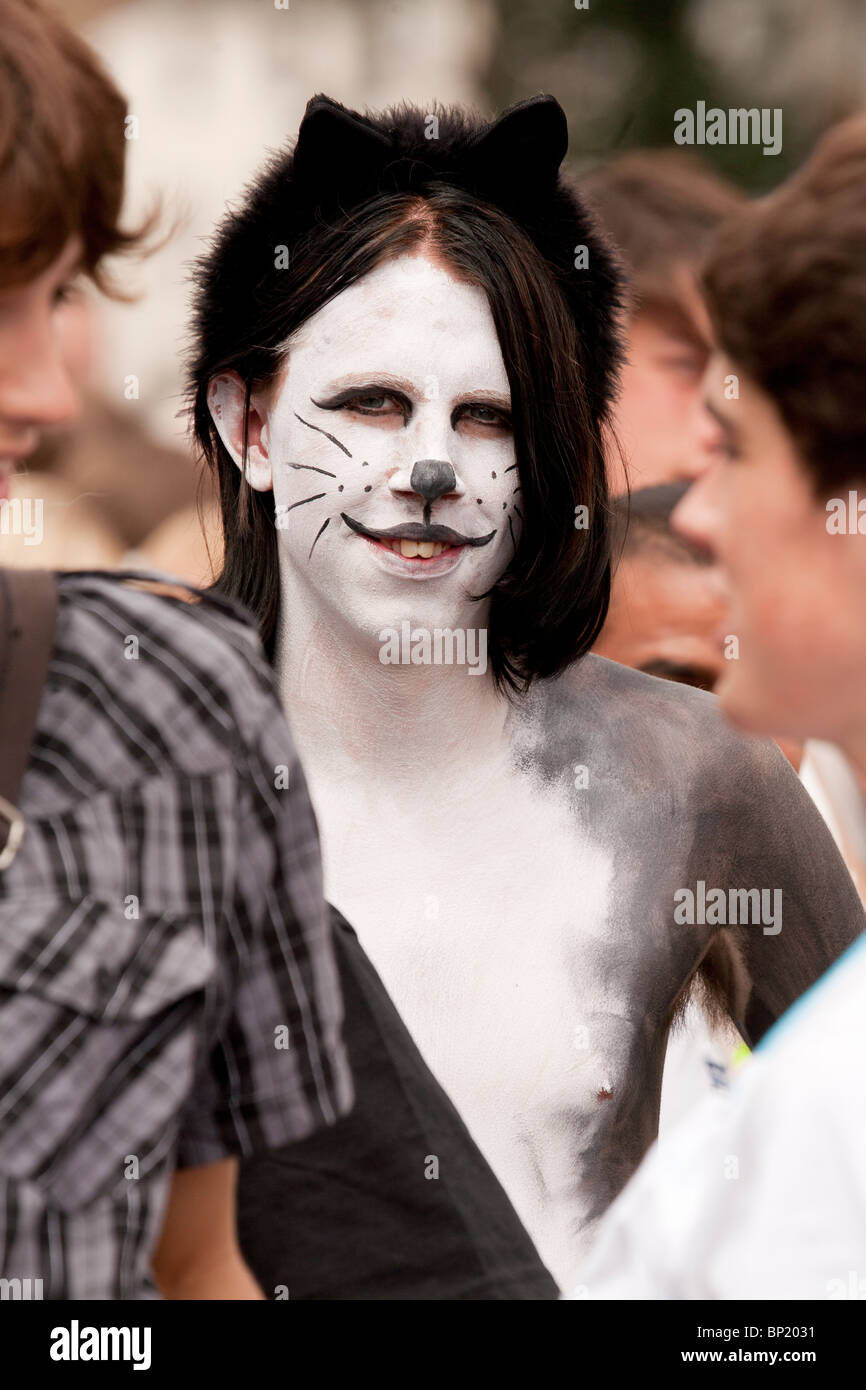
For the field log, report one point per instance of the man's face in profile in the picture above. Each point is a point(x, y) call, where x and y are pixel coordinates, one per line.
point(797, 587)
point(36, 391)
point(660, 422)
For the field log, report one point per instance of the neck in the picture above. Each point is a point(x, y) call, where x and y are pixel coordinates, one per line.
point(408, 724)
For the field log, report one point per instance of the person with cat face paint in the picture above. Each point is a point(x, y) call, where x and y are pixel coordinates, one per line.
point(405, 356)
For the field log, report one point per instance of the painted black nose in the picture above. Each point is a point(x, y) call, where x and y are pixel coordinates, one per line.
point(432, 478)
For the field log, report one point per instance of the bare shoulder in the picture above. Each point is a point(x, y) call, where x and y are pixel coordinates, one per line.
point(651, 770)
point(647, 736)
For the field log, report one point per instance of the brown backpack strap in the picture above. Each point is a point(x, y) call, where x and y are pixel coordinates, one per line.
point(28, 614)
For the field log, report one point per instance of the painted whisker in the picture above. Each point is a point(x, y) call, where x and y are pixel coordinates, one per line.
point(312, 469)
point(315, 497)
point(332, 437)
point(321, 531)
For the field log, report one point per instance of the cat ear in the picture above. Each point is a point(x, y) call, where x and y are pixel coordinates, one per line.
point(524, 147)
point(338, 153)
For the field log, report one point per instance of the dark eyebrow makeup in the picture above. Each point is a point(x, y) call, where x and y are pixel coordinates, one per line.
point(367, 388)
point(356, 383)
point(403, 394)
point(494, 399)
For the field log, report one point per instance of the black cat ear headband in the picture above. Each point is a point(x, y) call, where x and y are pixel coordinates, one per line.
point(342, 159)
point(343, 156)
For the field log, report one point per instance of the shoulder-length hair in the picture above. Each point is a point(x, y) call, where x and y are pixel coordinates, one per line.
point(550, 603)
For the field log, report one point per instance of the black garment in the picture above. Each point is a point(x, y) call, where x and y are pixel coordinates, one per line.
point(349, 1214)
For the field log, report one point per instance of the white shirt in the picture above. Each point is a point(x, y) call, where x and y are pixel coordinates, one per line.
point(830, 781)
point(761, 1191)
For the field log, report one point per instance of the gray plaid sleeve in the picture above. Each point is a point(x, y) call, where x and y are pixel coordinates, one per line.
point(278, 1069)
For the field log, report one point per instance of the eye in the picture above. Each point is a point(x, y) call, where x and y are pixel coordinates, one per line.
point(691, 364)
point(375, 402)
point(380, 403)
point(486, 418)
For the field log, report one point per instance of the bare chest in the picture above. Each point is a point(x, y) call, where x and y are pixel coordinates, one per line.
point(498, 930)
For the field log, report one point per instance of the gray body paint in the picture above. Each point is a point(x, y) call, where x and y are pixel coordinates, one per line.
point(540, 987)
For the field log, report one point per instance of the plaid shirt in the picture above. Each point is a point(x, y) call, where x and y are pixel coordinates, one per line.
point(168, 994)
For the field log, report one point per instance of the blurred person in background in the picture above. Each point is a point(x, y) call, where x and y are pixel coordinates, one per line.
point(668, 605)
point(667, 602)
point(661, 208)
point(102, 485)
point(761, 1192)
point(105, 459)
point(161, 920)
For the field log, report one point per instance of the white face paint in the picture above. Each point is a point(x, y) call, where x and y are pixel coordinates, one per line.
point(392, 415)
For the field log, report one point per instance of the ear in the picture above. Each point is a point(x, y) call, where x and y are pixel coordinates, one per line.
point(226, 397)
point(338, 152)
point(525, 145)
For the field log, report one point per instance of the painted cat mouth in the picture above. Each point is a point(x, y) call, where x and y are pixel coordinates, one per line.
point(415, 531)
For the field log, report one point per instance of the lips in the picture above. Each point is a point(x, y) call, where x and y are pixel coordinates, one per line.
point(416, 535)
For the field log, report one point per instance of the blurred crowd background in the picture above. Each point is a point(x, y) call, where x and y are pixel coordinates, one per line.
point(214, 84)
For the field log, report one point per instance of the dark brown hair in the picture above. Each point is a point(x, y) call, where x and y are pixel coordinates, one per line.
point(786, 288)
point(62, 147)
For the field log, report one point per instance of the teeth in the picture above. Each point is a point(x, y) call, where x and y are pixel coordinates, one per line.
point(412, 550)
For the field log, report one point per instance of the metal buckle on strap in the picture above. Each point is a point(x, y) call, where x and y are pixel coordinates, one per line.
point(17, 826)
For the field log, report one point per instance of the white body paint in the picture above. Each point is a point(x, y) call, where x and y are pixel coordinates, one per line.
point(473, 910)
point(478, 899)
